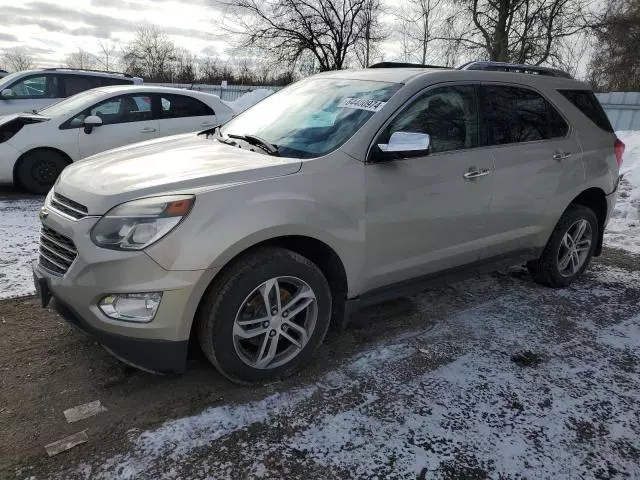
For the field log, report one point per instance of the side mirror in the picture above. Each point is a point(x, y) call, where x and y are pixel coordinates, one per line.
point(402, 142)
point(6, 93)
point(91, 122)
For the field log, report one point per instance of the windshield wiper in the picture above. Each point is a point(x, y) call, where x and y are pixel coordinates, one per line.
point(210, 131)
point(270, 148)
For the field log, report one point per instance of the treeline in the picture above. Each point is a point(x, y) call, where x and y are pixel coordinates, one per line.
point(277, 41)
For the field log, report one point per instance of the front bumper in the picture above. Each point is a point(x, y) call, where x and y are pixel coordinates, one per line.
point(156, 356)
point(159, 345)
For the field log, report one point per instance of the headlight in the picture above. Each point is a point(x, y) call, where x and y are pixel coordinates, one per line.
point(137, 224)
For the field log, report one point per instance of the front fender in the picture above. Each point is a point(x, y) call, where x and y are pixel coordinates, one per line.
point(226, 222)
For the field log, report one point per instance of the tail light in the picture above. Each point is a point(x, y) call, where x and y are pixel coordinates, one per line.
point(619, 149)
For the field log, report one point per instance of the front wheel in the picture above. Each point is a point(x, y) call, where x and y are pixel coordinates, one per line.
point(38, 170)
point(569, 249)
point(265, 316)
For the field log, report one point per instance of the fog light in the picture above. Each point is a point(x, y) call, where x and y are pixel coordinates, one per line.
point(131, 307)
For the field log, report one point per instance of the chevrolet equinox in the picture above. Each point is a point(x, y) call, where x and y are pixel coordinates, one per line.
point(341, 190)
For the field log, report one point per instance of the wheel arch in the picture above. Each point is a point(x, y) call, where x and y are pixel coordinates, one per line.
point(317, 251)
point(595, 199)
point(16, 165)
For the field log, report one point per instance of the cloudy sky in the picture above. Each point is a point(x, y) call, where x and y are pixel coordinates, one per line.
point(50, 29)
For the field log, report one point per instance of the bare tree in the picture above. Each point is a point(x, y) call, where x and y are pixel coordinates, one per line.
point(80, 59)
point(371, 34)
point(17, 59)
point(149, 55)
point(616, 62)
point(327, 30)
point(184, 66)
point(107, 53)
point(523, 31)
point(420, 21)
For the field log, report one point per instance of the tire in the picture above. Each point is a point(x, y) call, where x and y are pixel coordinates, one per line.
point(237, 297)
point(550, 269)
point(38, 170)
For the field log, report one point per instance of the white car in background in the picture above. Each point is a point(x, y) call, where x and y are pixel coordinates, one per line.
point(35, 147)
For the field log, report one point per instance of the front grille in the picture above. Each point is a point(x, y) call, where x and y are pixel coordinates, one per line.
point(68, 207)
point(57, 252)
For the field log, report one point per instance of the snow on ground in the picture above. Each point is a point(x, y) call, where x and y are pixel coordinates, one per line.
point(623, 230)
point(249, 99)
point(458, 400)
point(19, 229)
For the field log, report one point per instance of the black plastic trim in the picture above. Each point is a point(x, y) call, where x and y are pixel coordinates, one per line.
point(157, 356)
point(416, 285)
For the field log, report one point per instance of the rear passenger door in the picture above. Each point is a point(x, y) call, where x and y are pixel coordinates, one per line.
point(72, 83)
point(182, 114)
point(536, 157)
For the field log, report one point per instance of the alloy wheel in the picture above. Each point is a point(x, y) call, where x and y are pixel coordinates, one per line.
point(574, 248)
point(275, 322)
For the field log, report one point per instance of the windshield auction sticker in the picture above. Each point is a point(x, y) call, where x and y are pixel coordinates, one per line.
point(362, 104)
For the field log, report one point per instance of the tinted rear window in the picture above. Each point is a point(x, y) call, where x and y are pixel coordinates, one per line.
point(107, 81)
point(588, 104)
point(514, 115)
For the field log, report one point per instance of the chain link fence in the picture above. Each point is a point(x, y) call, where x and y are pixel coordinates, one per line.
point(227, 93)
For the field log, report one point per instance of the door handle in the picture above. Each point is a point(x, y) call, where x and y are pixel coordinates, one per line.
point(480, 172)
point(559, 156)
point(147, 130)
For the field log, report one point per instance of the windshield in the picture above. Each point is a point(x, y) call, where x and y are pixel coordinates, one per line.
point(313, 117)
point(71, 104)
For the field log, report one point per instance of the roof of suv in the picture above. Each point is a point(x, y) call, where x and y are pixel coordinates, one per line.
point(74, 71)
point(405, 75)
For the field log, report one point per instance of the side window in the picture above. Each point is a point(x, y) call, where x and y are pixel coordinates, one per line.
point(588, 104)
point(123, 109)
point(514, 114)
point(177, 106)
point(72, 84)
point(36, 86)
point(448, 114)
point(107, 81)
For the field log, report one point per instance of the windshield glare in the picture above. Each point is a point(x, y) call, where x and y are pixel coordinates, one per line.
point(71, 104)
point(313, 117)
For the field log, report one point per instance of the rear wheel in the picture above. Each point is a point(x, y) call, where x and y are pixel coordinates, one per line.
point(569, 249)
point(38, 170)
point(265, 316)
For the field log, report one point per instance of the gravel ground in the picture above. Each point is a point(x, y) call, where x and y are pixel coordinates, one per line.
point(493, 377)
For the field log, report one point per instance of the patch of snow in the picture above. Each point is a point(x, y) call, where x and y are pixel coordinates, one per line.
point(623, 230)
point(441, 402)
point(248, 100)
point(18, 245)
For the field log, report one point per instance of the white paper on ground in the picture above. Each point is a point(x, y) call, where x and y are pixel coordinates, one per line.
point(84, 411)
point(67, 443)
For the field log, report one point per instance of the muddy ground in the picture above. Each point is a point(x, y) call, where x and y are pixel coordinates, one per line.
point(493, 377)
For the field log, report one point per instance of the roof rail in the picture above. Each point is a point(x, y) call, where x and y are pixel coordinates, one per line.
point(403, 65)
point(514, 68)
point(88, 70)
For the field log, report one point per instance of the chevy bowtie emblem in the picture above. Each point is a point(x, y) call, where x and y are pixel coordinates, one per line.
point(44, 213)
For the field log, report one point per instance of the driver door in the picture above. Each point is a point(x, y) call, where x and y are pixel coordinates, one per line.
point(125, 119)
point(427, 211)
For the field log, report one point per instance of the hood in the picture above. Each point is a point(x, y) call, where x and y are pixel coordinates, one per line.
point(171, 164)
point(23, 117)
